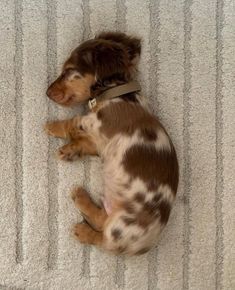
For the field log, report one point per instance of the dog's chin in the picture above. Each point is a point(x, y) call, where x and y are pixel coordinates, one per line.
point(71, 101)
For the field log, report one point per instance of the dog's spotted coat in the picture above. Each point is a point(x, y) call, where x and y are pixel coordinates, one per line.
point(140, 164)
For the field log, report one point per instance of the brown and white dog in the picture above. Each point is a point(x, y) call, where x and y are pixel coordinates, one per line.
point(140, 164)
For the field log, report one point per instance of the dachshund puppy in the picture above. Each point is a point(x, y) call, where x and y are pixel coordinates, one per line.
point(140, 167)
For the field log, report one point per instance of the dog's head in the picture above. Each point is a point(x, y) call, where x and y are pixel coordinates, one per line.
point(109, 56)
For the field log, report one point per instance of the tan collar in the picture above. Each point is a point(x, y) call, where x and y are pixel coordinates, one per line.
point(115, 92)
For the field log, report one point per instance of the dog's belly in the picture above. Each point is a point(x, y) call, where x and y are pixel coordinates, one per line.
point(107, 205)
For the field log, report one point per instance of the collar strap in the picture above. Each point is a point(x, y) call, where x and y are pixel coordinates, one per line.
point(115, 92)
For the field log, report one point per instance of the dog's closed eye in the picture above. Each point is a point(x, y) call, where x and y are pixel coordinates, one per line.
point(70, 74)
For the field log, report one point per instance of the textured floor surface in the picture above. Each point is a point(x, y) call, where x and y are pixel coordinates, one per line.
point(188, 71)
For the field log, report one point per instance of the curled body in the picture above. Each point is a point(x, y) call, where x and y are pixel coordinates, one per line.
point(140, 168)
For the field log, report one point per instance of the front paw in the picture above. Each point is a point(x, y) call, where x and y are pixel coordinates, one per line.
point(55, 129)
point(79, 194)
point(83, 233)
point(67, 153)
point(50, 128)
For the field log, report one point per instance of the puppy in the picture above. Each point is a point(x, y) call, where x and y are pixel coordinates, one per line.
point(139, 160)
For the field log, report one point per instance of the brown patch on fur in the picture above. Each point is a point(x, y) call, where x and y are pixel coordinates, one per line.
point(117, 234)
point(148, 134)
point(121, 249)
point(126, 118)
point(132, 44)
point(150, 207)
point(127, 185)
point(129, 207)
point(165, 209)
point(156, 208)
point(134, 238)
point(128, 220)
point(153, 166)
point(139, 197)
point(145, 218)
point(157, 197)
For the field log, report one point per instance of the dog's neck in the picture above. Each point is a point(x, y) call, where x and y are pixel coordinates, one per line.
point(105, 84)
point(121, 90)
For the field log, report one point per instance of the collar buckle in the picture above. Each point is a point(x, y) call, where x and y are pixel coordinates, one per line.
point(92, 103)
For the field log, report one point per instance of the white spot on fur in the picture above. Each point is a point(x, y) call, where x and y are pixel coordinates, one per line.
point(167, 193)
point(162, 141)
point(91, 124)
point(137, 185)
point(115, 177)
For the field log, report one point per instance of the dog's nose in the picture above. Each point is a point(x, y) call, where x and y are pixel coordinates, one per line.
point(54, 94)
point(49, 92)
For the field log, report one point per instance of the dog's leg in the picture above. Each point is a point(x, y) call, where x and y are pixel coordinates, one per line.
point(63, 128)
point(83, 145)
point(94, 215)
point(81, 142)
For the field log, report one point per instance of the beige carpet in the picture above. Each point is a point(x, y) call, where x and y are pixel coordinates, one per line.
point(188, 71)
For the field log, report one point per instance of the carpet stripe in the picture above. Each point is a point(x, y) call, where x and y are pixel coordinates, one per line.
point(119, 278)
point(154, 54)
point(18, 133)
point(103, 16)
point(228, 145)
point(53, 143)
point(86, 248)
point(187, 171)
point(137, 25)
point(2, 287)
point(8, 195)
point(121, 15)
point(170, 100)
point(203, 149)
point(86, 19)
point(219, 139)
point(35, 143)
point(69, 35)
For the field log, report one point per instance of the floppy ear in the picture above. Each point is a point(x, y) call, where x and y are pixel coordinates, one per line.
point(87, 58)
point(131, 44)
point(110, 58)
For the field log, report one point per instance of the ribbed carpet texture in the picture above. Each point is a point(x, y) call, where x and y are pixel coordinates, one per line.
point(187, 70)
